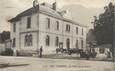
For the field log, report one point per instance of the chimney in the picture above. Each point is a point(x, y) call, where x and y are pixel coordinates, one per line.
point(35, 2)
point(54, 6)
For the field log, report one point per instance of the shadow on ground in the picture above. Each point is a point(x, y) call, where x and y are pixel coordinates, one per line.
point(59, 56)
point(12, 65)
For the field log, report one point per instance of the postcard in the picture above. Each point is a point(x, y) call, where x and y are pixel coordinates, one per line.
point(57, 35)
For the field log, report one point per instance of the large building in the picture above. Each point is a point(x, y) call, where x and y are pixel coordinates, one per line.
point(43, 25)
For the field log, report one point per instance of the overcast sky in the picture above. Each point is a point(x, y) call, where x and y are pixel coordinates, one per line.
point(10, 8)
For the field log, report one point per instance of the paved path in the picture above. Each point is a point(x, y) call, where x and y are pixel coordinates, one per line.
point(77, 57)
point(44, 64)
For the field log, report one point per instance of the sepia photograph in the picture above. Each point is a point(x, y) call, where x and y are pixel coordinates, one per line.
point(57, 35)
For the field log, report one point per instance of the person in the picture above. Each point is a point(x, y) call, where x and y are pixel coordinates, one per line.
point(41, 50)
point(87, 54)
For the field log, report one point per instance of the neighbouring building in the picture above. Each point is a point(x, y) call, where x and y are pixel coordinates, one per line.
point(43, 25)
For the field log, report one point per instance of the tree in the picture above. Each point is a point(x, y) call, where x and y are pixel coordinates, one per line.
point(5, 35)
point(103, 25)
point(90, 37)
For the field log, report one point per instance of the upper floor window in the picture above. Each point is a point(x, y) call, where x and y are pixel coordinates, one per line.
point(57, 41)
point(82, 43)
point(29, 22)
point(48, 22)
point(82, 31)
point(57, 27)
point(67, 28)
point(28, 40)
point(14, 42)
point(76, 30)
point(14, 27)
point(47, 40)
point(76, 43)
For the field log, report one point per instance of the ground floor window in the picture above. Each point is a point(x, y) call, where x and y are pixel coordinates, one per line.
point(57, 41)
point(68, 44)
point(14, 42)
point(101, 50)
point(76, 43)
point(47, 40)
point(81, 43)
point(28, 40)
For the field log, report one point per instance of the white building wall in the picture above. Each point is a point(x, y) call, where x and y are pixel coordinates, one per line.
point(27, 31)
point(39, 32)
point(22, 30)
point(52, 47)
point(34, 44)
point(15, 34)
point(52, 29)
point(34, 23)
point(52, 32)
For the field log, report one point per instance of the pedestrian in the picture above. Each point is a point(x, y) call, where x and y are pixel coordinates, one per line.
point(87, 54)
point(41, 50)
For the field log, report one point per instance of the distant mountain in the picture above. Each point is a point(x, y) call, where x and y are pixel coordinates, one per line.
point(82, 14)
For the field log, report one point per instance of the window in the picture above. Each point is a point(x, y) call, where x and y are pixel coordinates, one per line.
point(14, 42)
point(47, 40)
point(67, 28)
point(81, 43)
point(76, 43)
point(48, 23)
point(14, 27)
point(28, 40)
point(82, 31)
point(57, 22)
point(57, 41)
point(76, 30)
point(68, 43)
point(101, 50)
point(29, 22)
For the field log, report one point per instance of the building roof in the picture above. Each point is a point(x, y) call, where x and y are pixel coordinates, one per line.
point(104, 46)
point(41, 8)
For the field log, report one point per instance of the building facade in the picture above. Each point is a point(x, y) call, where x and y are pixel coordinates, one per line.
point(43, 25)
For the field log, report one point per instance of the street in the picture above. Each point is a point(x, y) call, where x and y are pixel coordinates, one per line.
point(44, 64)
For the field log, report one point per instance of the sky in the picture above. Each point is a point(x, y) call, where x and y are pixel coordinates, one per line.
point(10, 8)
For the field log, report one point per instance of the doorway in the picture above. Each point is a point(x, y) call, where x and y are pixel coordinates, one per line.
point(68, 44)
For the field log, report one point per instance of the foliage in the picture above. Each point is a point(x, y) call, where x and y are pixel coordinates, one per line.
point(7, 52)
point(103, 25)
point(5, 35)
point(90, 36)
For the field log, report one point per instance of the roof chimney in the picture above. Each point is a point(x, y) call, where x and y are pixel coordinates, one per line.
point(54, 6)
point(35, 2)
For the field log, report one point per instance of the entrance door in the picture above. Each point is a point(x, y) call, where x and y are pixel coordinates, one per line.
point(61, 45)
point(68, 44)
